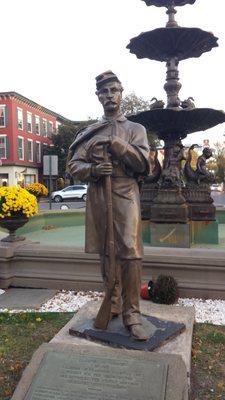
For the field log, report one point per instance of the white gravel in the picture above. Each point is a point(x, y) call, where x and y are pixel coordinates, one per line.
point(69, 301)
point(211, 311)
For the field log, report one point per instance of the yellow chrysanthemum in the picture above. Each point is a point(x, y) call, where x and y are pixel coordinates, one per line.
point(15, 200)
point(38, 189)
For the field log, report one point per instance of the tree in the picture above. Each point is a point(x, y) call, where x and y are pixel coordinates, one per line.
point(132, 104)
point(62, 141)
point(217, 164)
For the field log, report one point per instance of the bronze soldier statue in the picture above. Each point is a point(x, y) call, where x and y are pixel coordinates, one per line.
point(128, 159)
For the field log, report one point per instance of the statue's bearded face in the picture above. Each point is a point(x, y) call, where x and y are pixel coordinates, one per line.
point(110, 96)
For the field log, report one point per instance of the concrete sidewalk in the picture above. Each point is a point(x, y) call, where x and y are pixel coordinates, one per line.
point(24, 299)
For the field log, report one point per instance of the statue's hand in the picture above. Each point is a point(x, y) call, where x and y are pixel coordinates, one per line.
point(118, 146)
point(102, 169)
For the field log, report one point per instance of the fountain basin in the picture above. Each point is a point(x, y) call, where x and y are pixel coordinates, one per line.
point(178, 122)
point(162, 44)
point(165, 3)
point(67, 228)
point(62, 264)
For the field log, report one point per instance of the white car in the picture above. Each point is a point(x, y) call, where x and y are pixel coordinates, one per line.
point(217, 187)
point(69, 193)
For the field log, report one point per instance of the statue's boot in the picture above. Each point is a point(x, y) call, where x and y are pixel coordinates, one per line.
point(138, 332)
point(114, 315)
point(131, 283)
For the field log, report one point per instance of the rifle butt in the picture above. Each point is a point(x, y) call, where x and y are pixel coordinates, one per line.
point(103, 317)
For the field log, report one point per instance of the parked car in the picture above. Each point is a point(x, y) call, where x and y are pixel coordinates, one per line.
point(217, 187)
point(70, 192)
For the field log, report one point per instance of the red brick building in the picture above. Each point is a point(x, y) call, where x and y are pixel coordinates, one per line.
point(25, 129)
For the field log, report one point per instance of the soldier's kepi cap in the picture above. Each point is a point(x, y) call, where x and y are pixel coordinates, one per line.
point(105, 77)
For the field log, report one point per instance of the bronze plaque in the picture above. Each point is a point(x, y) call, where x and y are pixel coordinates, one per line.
point(63, 376)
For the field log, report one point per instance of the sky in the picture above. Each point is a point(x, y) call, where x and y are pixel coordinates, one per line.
point(52, 50)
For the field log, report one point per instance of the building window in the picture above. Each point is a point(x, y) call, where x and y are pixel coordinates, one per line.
point(4, 179)
point(28, 179)
point(45, 148)
point(29, 122)
point(50, 127)
point(38, 152)
point(2, 116)
point(20, 148)
point(3, 147)
point(30, 150)
point(37, 125)
point(57, 126)
point(45, 127)
point(20, 118)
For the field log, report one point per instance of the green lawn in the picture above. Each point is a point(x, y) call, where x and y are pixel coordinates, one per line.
point(21, 334)
point(208, 362)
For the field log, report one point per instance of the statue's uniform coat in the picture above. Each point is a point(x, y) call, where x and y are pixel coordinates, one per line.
point(130, 160)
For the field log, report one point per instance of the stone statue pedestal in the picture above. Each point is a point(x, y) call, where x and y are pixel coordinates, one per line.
point(169, 207)
point(169, 235)
point(205, 232)
point(149, 191)
point(179, 235)
point(72, 367)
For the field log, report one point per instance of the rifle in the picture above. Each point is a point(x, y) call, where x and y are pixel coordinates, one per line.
point(103, 317)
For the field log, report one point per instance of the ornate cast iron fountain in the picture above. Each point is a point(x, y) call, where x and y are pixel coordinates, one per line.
point(171, 194)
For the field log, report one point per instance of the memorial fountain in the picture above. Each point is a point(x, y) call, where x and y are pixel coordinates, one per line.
point(173, 194)
point(53, 256)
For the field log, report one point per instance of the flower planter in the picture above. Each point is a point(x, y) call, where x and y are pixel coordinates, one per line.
point(12, 224)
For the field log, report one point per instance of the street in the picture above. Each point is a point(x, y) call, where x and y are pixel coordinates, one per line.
point(44, 205)
point(219, 199)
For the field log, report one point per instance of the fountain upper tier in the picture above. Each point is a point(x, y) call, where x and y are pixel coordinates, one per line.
point(167, 3)
point(171, 45)
point(176, 123)
point(162, 44)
